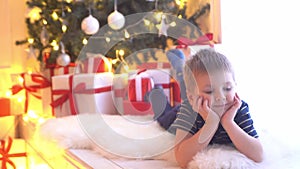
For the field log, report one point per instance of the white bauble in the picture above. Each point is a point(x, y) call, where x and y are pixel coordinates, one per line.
point(63, 59)
point(116, 20)
point(90, 25)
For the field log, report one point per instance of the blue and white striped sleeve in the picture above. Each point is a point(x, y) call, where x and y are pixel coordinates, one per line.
point(186, 118)
point(244, 120)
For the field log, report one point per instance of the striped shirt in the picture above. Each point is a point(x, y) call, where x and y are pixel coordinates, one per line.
point(192, 122)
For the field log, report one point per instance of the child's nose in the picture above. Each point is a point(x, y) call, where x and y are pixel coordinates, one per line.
point(220, 96)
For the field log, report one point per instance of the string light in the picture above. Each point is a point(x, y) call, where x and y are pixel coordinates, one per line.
point(30, 40)
point(126, 34)
point(84, 41)
point(55, 45)
point(54, 16)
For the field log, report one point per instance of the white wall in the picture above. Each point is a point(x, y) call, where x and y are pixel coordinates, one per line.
point(13, 27)
point(261, 37)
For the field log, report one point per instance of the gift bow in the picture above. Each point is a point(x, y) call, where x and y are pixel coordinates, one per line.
point(79, 89)
point(202, 40)
point(4, 152)
point(41, 82)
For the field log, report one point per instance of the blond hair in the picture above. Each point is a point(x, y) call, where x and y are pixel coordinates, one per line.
point(204, 61)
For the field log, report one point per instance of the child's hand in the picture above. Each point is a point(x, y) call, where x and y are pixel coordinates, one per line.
point(230, 113)
point(203, 108)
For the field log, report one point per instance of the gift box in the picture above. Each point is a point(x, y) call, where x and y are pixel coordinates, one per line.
point(96, 63)
point(137, 108)
point(162, 78)
point(93, 93)
point(82, 93)
point(62, 95)
point(139, 85)
point(30, 89)
point(120, 83)
point(13, 153)
point(4, 107)
point(55, 69)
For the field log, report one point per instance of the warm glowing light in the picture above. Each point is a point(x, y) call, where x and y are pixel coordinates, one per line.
point(64, 28)
point(126, 34)
point(158, 16)
point(45, 22)
point(55, 45)
point(20, 99)
point(84, 41)
point(20, 79)
point(54, 16)
point(180, 16)
point(68, 1)
point(41, 120)
point(147, 22)
point(69, 9)
point(107, 39)
point(26, 118)
point(121, 52)
point(8, 93)
point(34, 14)
point(30, 40)
point(173, 24)
point(29, 71)
point(32, 114)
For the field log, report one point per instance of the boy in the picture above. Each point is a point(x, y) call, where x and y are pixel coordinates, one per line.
point(213, 113)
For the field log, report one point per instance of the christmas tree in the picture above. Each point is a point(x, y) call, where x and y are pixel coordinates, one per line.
point(58, 27)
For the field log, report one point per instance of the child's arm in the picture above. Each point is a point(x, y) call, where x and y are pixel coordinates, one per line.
point(187, 145)
point(246, 144)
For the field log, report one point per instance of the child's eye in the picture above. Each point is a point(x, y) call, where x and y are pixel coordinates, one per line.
point(228, 89)
point(208, 92)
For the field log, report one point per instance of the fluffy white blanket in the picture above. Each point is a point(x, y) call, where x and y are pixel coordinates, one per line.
point(138, 137)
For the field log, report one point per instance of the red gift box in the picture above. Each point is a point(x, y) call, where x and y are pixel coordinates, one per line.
point(96, 64)
point(137, 108)
point(163, 78)
point(139, 85)
point(4, 107)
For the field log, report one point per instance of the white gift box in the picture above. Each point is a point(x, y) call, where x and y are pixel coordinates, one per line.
point(61, 85)
point(162, 77)
point(97, 95)
point(85, 93)
point(120, 83)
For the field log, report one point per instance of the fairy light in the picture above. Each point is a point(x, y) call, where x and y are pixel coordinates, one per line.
point(31, 114)
point(147, 22)
point(84, 41)
point(55, 45)
point(54, 16)
point(64, 28)
point(107, 39)
point(126, 34)
point(45, 22)
point(30, 40)
point(8, 93)
point(20, 79)
point(173, 24)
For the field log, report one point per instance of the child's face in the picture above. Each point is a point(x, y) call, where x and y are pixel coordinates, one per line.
point(218, 88)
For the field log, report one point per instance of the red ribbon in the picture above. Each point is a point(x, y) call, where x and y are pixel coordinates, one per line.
point(4, 152)
point(41, 83)
point(55, 66)
point(202, 40)
point(68, 94)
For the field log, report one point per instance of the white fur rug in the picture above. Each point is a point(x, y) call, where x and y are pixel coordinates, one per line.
point(138, 137)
